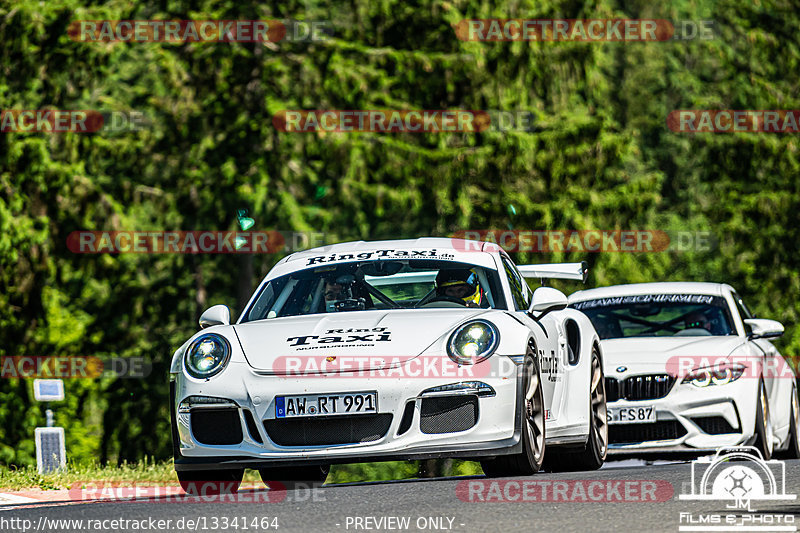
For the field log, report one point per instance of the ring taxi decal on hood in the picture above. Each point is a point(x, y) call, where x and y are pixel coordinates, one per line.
point(372, 335)
point(413, 254)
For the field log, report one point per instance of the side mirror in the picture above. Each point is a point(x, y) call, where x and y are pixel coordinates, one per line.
point(215, 316)
point(546, 299)
point(762, 328)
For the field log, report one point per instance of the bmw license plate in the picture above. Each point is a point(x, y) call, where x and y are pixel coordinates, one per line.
point(326, 404)
point(632, 415)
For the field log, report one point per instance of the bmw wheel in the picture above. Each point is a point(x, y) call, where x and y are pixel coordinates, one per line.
point(793, 451)
point(763, 428)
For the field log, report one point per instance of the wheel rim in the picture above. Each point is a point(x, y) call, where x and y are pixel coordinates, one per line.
point(767, 424)
point(534, 411)
point(796, 415)
point(600, 425)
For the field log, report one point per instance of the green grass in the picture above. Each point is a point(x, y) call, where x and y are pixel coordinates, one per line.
point(398, 470)
point(12, 479)
point(27, 477)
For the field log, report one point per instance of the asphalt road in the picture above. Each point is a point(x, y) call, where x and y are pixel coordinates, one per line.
point(444, 504)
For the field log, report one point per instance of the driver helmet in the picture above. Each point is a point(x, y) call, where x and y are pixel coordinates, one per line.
point(697, 319)
point(461, 277)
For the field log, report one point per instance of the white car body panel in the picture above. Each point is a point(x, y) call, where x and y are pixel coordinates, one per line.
point(735, 402)
point(393, 340)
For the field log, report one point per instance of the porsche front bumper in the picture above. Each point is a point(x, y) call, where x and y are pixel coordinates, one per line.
point(245, 432)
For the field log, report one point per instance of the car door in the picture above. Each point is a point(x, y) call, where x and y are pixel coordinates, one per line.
point(551, 341)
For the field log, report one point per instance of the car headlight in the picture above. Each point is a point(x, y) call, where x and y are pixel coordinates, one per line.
point(715, 375)
point(473, 342)
point(207, 355)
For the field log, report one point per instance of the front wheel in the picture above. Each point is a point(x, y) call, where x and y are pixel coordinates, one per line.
point(763, 428)
point(593, 455)
point(207, 482)
point(529, 460)
point(793, 451)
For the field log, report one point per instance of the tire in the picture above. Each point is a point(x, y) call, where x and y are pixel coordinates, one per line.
point(176, 445)
point(205, 482)
point(287, 476)
point(529, 460)
point(793, 451)
point(594, 453)
point(763, 426)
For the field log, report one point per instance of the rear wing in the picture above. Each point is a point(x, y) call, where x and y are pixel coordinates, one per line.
point(575, 271)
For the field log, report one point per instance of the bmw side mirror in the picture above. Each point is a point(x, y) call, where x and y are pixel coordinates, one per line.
point(215, 316)
point(762, 328)
point(546, 299)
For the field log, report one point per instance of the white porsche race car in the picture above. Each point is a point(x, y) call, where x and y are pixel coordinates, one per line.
point(371, 351)
point(688, 368)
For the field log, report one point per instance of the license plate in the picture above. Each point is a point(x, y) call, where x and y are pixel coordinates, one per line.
point(631, 415)
point(326, 404)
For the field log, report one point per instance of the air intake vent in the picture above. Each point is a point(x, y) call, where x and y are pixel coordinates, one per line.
point(408, 417)
point(216, 426)
point(327, 431)
point(613, 389)
point(650, 387)
point(714, 425)
point(448, 414)
point(633, 433)
point(252, 428)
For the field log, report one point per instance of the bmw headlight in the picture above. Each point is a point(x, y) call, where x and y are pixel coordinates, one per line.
point(473, 342)
point(207, 355)
point(715, 375)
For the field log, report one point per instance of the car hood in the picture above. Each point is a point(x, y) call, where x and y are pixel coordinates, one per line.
point(652, 354)
point(378, 339)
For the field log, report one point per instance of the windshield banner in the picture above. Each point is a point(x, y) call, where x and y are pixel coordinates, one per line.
point(646, 299)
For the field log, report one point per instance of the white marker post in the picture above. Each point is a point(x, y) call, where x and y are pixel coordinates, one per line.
point(51, 452)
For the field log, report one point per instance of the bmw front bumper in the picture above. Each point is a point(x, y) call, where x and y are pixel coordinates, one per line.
point(690, 419)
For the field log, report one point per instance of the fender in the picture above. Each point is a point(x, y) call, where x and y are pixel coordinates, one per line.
point(575, 408)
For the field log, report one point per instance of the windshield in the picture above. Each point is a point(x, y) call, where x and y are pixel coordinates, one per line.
point(658, 315)
point(378, 284)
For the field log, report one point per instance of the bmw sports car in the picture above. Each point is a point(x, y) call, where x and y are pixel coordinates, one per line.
point(688, 367)
point(371, 351)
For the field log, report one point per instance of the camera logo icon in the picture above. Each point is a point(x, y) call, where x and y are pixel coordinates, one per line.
point(738, 475)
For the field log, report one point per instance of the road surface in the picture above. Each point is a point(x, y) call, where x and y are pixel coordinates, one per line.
point(628, 496)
